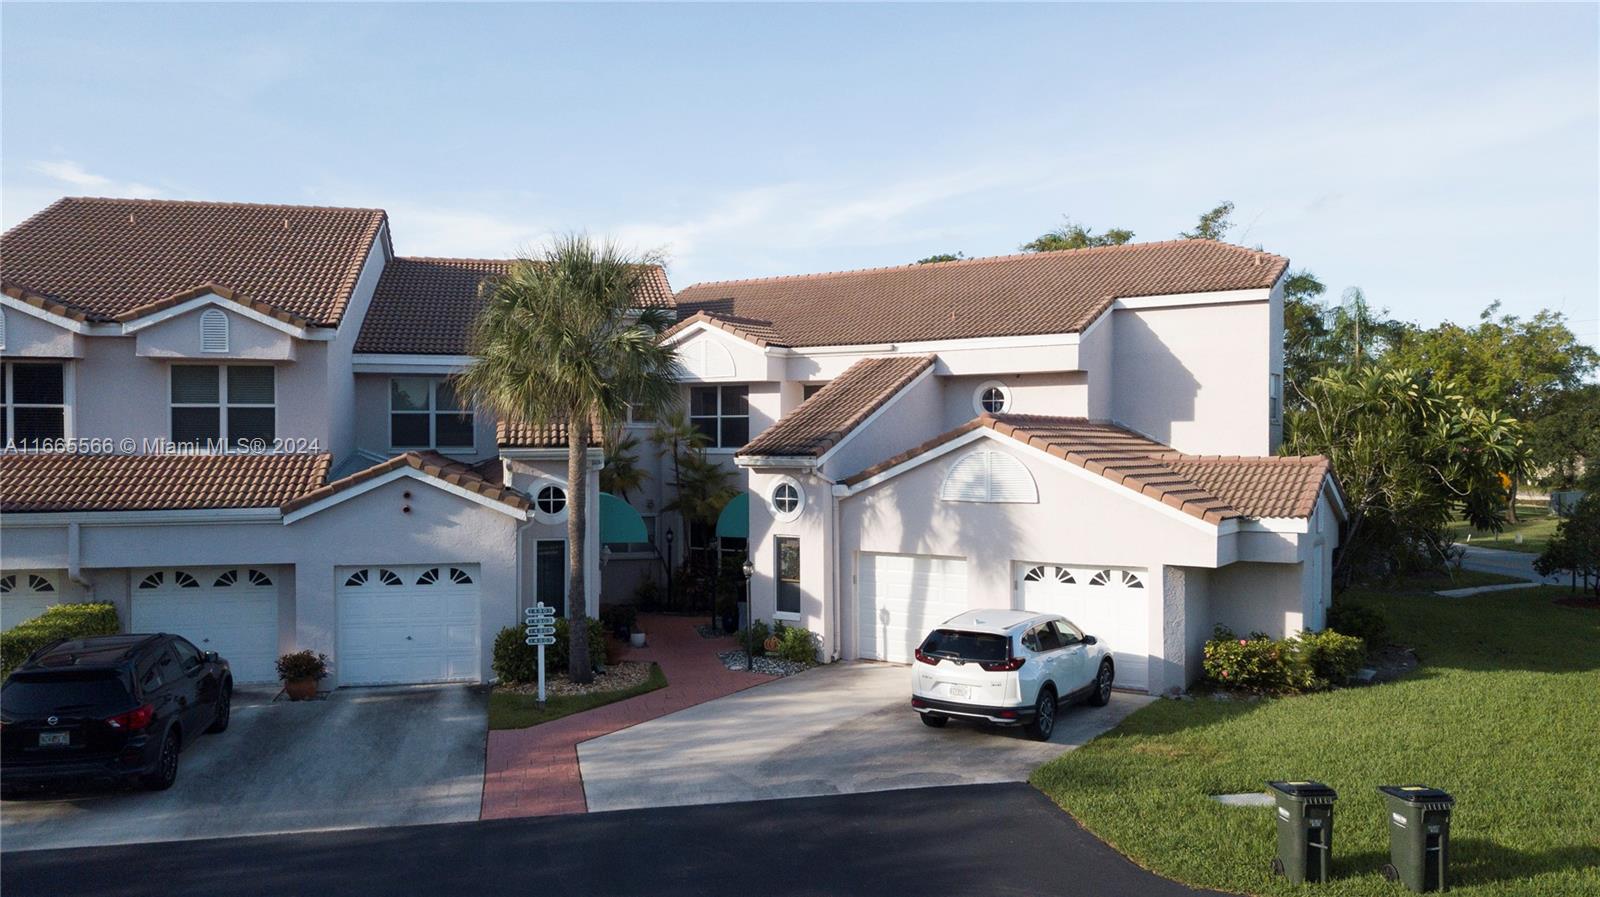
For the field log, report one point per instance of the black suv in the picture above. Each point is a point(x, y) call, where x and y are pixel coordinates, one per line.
point(109, 708)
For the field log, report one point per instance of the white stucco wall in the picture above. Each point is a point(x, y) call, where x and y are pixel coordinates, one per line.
point(1059, 393)
point(28, 336)
point(370, 429)
point(178, 338)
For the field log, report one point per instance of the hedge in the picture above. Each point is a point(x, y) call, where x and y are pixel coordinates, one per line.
point(516, 661)
point(62, 621)
point(1310, 661)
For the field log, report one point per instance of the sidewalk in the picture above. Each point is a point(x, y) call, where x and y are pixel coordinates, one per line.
point(534, 771)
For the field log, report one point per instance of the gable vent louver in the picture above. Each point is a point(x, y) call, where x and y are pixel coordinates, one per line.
point(213, 331)
point(989, 476)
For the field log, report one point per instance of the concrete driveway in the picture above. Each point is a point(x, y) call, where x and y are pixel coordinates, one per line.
point(838, 729)
point(361, 758)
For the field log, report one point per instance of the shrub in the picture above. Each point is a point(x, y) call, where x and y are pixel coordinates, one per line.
point(648, 596)
point(1332, 657)
point(758, 635)
point(1360, 621)
point(1309, 661)
point(516, 661)
point(63, 621)
point(797, 644)
point(303, 665)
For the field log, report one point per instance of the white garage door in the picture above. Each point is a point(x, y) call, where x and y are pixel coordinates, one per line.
point(406, 624)
point(902, 597)
point(25, 594)
point(230, 610)
point(1108, 603)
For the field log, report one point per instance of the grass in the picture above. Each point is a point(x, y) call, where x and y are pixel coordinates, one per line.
point(1535, 524)
point(1503, 713)
point(509, 710)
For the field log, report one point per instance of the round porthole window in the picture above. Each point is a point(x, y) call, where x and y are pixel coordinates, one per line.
point(991, 398)
point(551, 500)
point(787, 499)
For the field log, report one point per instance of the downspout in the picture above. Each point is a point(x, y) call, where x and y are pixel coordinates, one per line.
point(75, 561)
point(832, 549)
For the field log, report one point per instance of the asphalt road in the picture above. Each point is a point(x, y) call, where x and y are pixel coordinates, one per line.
point(1005, 839)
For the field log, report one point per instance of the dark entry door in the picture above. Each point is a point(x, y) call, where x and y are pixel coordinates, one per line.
point(550, 574)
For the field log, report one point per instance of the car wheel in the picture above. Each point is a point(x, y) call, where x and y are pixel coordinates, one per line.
point(166, 771)
point(937, 722)
point(224, 710)
point(1044, 715)
point(1100, 696)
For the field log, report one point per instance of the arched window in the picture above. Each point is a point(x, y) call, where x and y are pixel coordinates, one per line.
point(228, 578)
point(257, 578)
point(428, 577)
point(7, 584)
point(153, 581)
point(1064, 576)
point(185, 580)
point(1131, 581)
point(551, 500)
point(213, 330)
point(390, 578)
point(989, 476)
point(358, 578)
point(460, 577)
point(1034, 574)
point(1101, 578)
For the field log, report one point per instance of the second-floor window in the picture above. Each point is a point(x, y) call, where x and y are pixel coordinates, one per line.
point(424, 413)
point(1275, 396)
point(217, 403)
point(722, 413)
point(35, 402)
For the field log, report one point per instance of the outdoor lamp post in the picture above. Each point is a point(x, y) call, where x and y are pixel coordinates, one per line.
point(749, 570)
point(669, 568)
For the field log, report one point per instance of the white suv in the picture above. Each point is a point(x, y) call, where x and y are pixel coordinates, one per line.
point(1008, 667)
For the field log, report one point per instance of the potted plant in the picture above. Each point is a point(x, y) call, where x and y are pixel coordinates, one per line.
point(300, 672)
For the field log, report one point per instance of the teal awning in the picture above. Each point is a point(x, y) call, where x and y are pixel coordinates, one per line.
point(619, 522)
point(734, 521)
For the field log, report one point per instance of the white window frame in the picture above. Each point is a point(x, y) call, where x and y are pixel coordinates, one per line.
point(432, 413)
point(542, 516)
point(222, 403)
point(68, 394)
point(779, 514)
point(716, 445)
point(1005, 397)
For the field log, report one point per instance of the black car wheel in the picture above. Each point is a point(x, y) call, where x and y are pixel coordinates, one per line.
point(166, 771)
point(1044, 715)
point(224, 710)
point(937, 722)
point(1101, 695)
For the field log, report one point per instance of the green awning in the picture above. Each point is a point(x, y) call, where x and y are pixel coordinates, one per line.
point(619, 522)
point(734, 521)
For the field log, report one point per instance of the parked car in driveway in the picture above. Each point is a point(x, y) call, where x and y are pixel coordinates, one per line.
point(1010, 668)
point(117, 708)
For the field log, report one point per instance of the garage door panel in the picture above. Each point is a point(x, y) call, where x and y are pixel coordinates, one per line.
point(901, 598)
point(1110, 603)
point(217, 612)
point(408, 624)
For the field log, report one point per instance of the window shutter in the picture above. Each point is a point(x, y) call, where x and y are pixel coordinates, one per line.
point(968, 480)
point(213, 331)
point(989, 476)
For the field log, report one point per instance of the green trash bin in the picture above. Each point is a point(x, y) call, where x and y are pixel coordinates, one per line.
point(1419, 835)
point(1305, 830)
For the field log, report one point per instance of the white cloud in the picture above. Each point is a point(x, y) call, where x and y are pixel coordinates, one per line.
point(71, 173)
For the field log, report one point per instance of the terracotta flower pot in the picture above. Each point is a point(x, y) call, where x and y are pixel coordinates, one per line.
point(771, 644)
point(300, 689)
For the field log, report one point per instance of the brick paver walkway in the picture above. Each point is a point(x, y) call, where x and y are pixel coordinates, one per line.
point(534, 771)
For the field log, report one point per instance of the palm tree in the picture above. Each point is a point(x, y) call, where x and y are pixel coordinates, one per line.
point(622, 473)
point(561, 344)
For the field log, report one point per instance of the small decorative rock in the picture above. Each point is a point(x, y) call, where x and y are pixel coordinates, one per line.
point(772, 666)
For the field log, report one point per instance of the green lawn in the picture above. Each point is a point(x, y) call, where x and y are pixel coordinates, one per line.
point(508, 710)
point(1534, 523)
point(1504, 713)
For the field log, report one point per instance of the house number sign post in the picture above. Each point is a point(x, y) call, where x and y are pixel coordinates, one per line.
point(540, 628)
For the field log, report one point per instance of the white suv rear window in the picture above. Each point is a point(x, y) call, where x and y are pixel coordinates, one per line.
point(974, 646)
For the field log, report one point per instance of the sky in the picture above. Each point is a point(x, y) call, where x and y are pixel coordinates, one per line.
point(1440, 157)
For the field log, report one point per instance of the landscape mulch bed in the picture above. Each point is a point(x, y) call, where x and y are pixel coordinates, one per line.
point(616, 678)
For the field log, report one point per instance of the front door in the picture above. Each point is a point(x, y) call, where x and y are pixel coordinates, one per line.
point(550, 574)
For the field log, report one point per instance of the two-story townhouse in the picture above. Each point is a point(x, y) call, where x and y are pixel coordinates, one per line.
point(1085, 431)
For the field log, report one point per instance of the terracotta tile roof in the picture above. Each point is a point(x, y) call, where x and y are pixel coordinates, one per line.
point(1210, 487)
point(762, 333)
point(1044, 292)
point(79, 482)
point(430, 463)
point(520, 435)
point(426, 306)
point(112, 259)
point(823, 420)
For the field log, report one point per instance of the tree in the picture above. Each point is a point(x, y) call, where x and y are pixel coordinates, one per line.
point(1305, 333)
point(1071, 235)
point(1408, 454)
point(1576, 545)
point(1521, 366)
point(1565, 437)
point(701, 486)
point(1214, 223)
point(942, 257)
point(560, 343)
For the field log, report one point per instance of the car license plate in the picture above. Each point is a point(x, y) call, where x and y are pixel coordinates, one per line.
point(960, 691)
point(55, 739)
